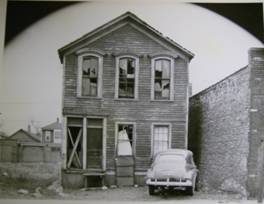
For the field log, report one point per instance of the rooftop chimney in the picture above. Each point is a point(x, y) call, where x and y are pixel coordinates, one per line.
point(29, 128)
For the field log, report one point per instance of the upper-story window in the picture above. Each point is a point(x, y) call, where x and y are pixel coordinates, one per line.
point(162, 78)
point(126, 77)
point(90, 75)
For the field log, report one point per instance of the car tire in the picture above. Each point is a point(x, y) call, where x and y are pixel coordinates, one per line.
point(151, 190)
point(190, 190)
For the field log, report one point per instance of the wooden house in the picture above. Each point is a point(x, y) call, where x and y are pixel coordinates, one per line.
point(125, 98)
point(52, 133)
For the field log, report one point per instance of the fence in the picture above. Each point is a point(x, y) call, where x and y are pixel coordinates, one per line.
point(14, 151)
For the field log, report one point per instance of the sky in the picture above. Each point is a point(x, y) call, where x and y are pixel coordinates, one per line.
point(33, 73)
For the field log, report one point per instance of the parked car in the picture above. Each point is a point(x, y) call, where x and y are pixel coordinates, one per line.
point(173, 169)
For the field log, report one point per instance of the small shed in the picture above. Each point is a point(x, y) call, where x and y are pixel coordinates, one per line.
point(24, 136)
point(52, 133)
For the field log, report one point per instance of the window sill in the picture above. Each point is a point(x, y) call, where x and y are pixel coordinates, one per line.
point(168, 101)
point(126, 99)
point(90, 97)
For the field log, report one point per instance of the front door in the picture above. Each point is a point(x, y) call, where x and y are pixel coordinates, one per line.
point(94, 143)
point(125, 159)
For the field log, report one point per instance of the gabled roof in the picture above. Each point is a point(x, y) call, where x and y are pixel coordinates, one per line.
point(34, 137)
point(127, 15)
point(53, 126)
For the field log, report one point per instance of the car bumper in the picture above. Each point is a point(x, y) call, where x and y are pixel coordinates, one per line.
point(155, 182)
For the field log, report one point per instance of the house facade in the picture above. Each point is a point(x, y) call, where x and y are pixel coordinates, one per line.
point(125, 98)
point(226, 129)
point(52, 133)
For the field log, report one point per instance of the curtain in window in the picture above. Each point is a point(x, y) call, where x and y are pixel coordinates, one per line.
point(161, 138)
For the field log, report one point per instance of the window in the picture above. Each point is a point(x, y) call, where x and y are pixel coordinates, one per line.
point(161, 135)
point(89, 75)
point(162, 79)
point(126, 77)
point(125, 139)
point(47, 136)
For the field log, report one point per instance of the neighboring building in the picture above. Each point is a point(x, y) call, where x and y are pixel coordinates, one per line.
point(226, 129)
point(23, 136)
point(125, 98)
point(52, 133)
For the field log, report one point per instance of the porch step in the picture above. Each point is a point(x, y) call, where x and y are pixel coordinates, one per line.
point(125, 181)
point(124, 171)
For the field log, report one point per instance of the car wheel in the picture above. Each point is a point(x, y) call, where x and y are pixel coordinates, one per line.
point(151, 190)
point(190, 190)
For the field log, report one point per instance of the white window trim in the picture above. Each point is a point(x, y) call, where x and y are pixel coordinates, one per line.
point(100, 73)
point(152, 94)
point(134, 137)
point(152, 135)
point(117, 77)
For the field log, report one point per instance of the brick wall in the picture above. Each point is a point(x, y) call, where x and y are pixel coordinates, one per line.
point(256, 65)
point(142, 111)
point(218, 133)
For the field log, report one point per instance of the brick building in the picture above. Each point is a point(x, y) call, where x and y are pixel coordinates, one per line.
point(125, 97)
point(226, 126)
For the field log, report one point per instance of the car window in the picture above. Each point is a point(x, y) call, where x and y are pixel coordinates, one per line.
point(170, 159)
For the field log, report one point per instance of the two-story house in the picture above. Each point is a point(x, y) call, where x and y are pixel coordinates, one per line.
point(125, 98)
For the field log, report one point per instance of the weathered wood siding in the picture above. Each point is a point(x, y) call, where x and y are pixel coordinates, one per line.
point(143, 111)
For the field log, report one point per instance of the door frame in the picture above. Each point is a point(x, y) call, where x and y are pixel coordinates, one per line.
point(84, 139)
point(133, 140)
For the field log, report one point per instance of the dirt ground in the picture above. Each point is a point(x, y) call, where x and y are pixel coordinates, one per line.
point(30, 191)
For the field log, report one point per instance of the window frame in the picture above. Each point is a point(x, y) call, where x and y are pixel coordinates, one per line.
point(152, 135)
point(133, 139)
point(99, 73)
point(152, 95)
point(84, 140)
point(117, 77)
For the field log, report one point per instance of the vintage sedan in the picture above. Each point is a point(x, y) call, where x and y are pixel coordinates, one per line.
point(173, 169)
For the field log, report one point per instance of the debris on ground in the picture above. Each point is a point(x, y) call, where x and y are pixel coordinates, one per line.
point(37, 193)
point(23, 191)
point(5, 174)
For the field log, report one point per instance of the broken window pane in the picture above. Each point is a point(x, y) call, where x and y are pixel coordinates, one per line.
point(126, 77)
point(162, 79)
point(125, 139)
point(89, 76)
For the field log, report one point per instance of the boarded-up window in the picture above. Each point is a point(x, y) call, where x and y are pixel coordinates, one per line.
point(125, 139)
point(90, 76)
point(74, 143)
point(126, 77)
point(162, 79)
point(160, 138)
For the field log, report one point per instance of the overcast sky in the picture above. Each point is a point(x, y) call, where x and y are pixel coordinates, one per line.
point(33, 73)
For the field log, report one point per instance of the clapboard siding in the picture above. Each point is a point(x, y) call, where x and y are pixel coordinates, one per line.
point(142, 111)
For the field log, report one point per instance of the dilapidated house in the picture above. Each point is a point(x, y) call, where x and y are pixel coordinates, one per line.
point(125, 98)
